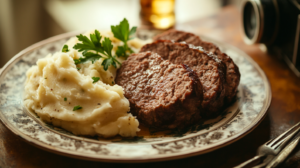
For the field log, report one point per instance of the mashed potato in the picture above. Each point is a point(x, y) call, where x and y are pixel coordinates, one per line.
point(55, 86)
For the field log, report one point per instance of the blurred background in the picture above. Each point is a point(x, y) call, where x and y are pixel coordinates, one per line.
point(23, 23)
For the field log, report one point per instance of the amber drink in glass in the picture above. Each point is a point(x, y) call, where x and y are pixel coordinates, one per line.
point(158, 14)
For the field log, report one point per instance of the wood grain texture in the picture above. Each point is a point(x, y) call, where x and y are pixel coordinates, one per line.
point(282, 114)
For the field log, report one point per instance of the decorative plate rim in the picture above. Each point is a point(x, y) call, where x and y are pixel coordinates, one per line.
point(170, 156)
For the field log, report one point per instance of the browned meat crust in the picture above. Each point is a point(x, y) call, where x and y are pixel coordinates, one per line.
point(208, 68)
point(161, 94)
point(232, 74)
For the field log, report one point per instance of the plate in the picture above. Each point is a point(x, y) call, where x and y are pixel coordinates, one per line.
point(240, 118)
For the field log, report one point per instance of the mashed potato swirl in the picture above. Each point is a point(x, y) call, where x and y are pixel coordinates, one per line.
point(55, 85)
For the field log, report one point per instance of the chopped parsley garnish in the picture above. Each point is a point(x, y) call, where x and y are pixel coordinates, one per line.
point(95, 79)
point(93, 48)
point(65, 99)
point(77, 108)
point(65, 49)
point(113, 82)
point(78, 68)
point(123, 33)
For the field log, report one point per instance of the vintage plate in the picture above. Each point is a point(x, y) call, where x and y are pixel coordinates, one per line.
point(236, 121)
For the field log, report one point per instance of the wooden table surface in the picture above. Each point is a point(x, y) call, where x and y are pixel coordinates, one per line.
point(282, 114)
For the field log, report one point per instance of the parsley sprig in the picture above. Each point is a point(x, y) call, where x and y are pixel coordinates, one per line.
point(93, 47)
point(123, 33)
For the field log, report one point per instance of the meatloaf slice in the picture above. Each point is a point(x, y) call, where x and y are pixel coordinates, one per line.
point(209, 70)
point(161, 94)
point(232, 74)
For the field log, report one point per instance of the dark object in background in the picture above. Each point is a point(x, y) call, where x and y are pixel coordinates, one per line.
point(275, 23)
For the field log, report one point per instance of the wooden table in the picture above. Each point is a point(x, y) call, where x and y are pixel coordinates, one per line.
point(282, 114)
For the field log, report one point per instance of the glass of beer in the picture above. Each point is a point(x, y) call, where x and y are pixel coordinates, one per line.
point(158, 14)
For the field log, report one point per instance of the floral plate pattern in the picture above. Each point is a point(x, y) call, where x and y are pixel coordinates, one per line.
point(253, 100)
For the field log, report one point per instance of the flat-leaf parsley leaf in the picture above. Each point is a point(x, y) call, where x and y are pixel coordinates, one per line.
point(123, 33)
point(88, 56)
point(93, 47)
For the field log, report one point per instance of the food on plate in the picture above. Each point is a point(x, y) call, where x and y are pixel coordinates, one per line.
point(74, 89)
point(96, 80)
point(161, 94)
point(209, 69)
point(232, 75)
point(59, 94)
